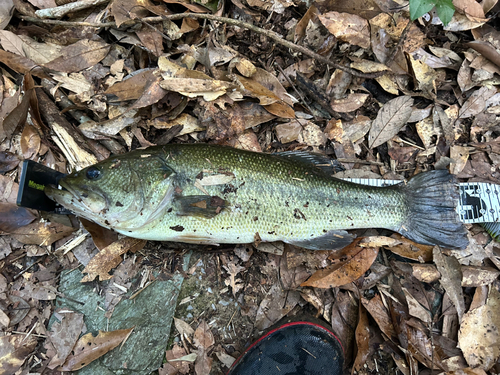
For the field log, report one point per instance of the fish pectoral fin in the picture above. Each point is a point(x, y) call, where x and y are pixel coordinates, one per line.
point(204, 206)
point(332, 240)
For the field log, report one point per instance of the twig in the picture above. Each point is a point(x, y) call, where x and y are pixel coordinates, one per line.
point(270, 34)
point(69, 23)
point(62, 10)
point(294, 88)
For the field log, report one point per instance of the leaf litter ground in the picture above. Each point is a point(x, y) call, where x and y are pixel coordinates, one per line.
point(361, 83)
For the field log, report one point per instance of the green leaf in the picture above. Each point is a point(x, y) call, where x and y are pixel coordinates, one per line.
point(419, 7)
point(445, 10)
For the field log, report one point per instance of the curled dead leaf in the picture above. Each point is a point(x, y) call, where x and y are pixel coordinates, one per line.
point(344, 273)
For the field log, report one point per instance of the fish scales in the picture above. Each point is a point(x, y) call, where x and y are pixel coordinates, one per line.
point(212, 194)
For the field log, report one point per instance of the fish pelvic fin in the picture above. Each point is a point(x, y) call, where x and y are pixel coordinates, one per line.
point(432, 198)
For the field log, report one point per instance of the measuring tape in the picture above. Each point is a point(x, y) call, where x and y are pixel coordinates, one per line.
point(479, 202)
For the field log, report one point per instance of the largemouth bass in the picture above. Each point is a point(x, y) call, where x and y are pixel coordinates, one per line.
point(209, 194)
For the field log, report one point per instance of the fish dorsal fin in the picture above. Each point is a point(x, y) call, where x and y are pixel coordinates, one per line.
point(203, 206)
point(333, 240)
point(319, 161)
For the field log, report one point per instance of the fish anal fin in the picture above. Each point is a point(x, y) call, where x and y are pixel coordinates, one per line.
point(332, 240)
point(204, 206)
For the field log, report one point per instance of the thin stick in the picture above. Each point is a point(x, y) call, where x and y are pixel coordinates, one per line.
point(294, 88)
point(270, 34)
point(62, 10)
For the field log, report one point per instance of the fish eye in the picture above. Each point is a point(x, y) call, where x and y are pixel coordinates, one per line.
point(93, 173)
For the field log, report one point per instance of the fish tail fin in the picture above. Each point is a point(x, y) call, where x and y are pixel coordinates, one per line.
point(432, 219)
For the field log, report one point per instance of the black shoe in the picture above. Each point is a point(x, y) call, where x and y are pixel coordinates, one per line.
point(299, 348)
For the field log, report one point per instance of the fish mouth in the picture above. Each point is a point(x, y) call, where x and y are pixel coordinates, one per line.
point(86, 203)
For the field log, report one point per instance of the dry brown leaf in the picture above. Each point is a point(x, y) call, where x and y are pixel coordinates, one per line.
point(476, 103)
point(189, 123)
point(478, 336)
point(255, 89)
point(17, 117)
point(100, 130)
point(6, 11)
point(14, 350)
point(347, 27)
point(424, 74)
point(460, 156)
point(101, 236)
point(13, 217)
point(63, 336)
point(203, 339)
point(79, 56)
point(412, 250)
point(390, 119)
point(125, 10)
point(41, 233)
point(280, 109)
point(8, 161)
point(183, 328)
point(40, 53)
point(23, 65)
point(487, 50)
point(109, 257)
point(379, 312)
point(474, 276)
point(12, 43)
point(349, 104)
point(272, 83)
point(377, 241)
point(152, 94)
point(451, 279)
point(472, 9)
point(173, 356)
point(344, 273)
point(461, 22)
point(151, 39)
point(362, 339)
point(30, 142)
point(344, 319)
point(275, 305)
point(245, 67)
point(89, 348)
point(131, 88)
point(210, 89)
point(289, 132)
point(368, 66)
